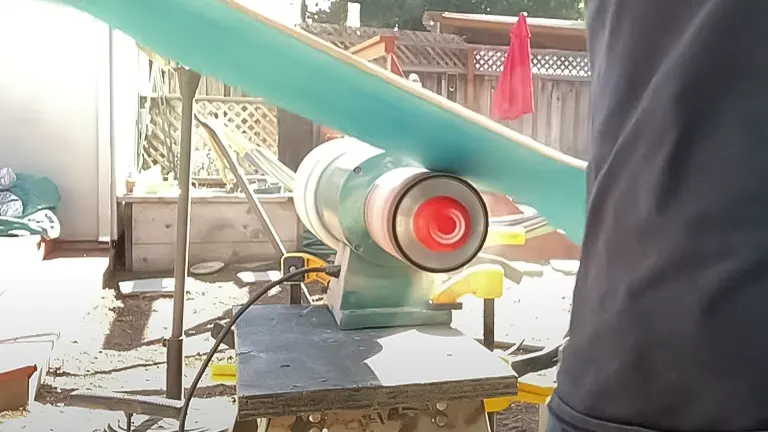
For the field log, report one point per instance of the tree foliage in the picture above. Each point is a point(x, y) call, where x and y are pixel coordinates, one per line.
point(335, 14)
point(407, 14)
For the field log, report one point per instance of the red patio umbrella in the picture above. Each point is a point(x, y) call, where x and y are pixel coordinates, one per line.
point(513, 96)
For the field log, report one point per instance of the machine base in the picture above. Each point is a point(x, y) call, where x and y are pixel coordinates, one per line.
point(369, 295)
point(386, 317)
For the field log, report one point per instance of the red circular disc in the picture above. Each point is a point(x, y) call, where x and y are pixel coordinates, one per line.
point(441, 224)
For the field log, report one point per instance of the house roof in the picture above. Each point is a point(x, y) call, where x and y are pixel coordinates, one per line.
point(417, 51)
point(546, 33)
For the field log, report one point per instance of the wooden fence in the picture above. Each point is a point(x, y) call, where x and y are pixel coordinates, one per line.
point(560, 118)
point(561, 86)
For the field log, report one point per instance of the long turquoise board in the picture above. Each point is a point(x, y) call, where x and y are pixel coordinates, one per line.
point(303, 74)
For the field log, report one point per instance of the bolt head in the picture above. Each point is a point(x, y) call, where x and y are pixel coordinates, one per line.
point(441, 406)
point(440, 420)
point(315, 418)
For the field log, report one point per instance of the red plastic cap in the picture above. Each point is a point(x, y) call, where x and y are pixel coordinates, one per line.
point(442, 224)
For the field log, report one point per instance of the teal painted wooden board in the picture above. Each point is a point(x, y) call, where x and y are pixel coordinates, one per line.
point(305, 75)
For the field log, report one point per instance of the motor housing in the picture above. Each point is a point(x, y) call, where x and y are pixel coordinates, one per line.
point(347, 190)
point(395, 226)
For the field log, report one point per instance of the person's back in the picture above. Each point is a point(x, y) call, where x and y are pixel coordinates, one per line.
point(670, 310)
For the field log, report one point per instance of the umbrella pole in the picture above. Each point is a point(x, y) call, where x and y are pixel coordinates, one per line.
point(174, 384)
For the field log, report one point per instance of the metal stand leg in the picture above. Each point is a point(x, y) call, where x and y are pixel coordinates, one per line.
point(489, 340)
point(188, 82)
point(245, 426)
point(295, 294)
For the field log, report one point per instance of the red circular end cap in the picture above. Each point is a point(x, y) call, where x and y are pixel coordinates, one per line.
point(441, 224)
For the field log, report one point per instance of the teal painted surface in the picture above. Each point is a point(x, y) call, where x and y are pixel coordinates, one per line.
point(375, 295)
point(352, 195)
point(378, 290)
point(220, 41)
point(400, 317)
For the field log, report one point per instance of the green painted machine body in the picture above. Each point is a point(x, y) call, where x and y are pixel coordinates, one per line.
point(375, 289)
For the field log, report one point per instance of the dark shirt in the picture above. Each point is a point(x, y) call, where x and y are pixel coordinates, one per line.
point(670, 317)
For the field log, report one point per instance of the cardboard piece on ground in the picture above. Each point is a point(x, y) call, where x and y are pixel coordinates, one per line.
point(569, 267)
point(24, 362)
point(157, 286)
point(247, 277)
point(528, 268)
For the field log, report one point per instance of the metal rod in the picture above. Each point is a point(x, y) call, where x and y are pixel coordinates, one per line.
point(489, 330)
point(188, 82)
point(295, 295)
point(297, 291)
point(239, 175)
point(489, 340)
point(504, 345)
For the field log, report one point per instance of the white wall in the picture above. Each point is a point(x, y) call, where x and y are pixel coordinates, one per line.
point(54, 107)
point(124, 77)
point(287, 12)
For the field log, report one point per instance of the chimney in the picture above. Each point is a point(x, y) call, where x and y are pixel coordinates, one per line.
point(353, 15)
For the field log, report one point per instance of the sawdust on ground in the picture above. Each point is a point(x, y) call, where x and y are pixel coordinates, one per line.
point(118, 347)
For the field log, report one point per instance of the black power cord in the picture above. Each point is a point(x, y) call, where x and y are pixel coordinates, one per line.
point(332, 270)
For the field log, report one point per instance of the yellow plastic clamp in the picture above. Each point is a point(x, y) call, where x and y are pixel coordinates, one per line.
point(483, 280)
point(298, 260)
point(505, 236)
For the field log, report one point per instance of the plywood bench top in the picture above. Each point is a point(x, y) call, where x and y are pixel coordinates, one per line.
point(294, 359)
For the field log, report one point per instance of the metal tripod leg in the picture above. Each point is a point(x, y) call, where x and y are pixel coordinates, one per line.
point(188, 82)
point(489, 340)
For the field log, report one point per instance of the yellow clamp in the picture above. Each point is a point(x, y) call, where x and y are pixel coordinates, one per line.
point(526, 392)
point(223, 373)
point(533, 389)
point(298, 260)
point(485, 281)
point(505, 236)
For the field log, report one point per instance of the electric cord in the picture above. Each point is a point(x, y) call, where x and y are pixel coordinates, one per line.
point(331, 270)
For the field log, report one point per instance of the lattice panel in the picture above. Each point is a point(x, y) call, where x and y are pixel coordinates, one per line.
point(255, 121)
point(559, 64)
point(548, 63)
point(251, 117)
point(489, 60)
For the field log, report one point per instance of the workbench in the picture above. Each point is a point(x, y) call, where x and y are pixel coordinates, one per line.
point(294, 363)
